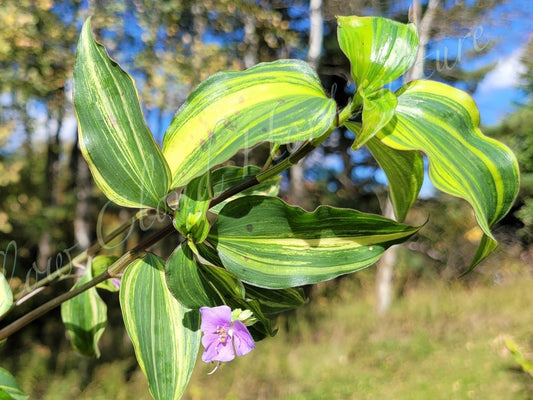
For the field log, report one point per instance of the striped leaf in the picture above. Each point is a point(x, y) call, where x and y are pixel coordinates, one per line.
point(443, 122)
point(380, 50)
point(270, 244)
point(9, 388)
point(274, 301)
point(124, 159)
point(165, 335)
point(195, 285)
point(6, 296)
point(404, 170)
point(378, 109)
point(279, 102)
point(85, 318)
point(190, 218)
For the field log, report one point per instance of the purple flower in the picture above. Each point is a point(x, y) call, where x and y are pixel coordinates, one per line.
point(223, 337)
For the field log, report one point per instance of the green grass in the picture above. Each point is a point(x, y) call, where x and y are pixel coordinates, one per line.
point(437, 342)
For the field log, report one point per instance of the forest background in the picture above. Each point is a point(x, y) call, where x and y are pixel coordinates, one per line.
point(407, 328)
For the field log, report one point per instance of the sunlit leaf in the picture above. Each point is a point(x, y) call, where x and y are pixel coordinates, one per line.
point(443, 122)
point(404, 170)
point(124, 159)
point(6, 296)
point(270, 244)
point(378, 109)
point(278, 102)
point(380, 50)
point(9, 388)
point(190, 218)
point(165, 335)
point(85, 318)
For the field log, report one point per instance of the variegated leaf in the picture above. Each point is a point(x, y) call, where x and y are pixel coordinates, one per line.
point(380, 50)
point(443, 122)
point(404, 170)
point(165, 335)
point(85, 318)
point(9, 388)
point(278, 102)
point(125, 161)
point(270, 244)
point(6, 296)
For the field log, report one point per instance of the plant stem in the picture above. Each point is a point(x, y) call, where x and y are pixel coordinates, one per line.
point(126, 259)
point(139, 250)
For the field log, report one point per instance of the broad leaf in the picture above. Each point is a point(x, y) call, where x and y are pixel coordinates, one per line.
point(443, 122)
point(85, 318)
point(279, 102)
point(124, 159)
point(9, 388)
point(165, 335)
point(380, 50)
point(270, 244)
point(404, 170)
point(6, 296)
point(195, 285)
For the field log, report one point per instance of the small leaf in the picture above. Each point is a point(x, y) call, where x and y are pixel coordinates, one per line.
point(85, 318)
point(9, 388)
point(278, 102)
point(270, 244)
point(404, 170)
point(380, 50)
point(125, 161)
point(165, 335)
point(196, 285)
point(378, 109)
point(190, 218)
point(99, 265)
point(6, 296)
point(443, 122)
point(274, 301)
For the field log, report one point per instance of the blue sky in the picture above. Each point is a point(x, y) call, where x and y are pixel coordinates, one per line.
point(510, 30)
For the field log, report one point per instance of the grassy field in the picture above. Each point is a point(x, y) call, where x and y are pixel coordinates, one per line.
point(439, 341)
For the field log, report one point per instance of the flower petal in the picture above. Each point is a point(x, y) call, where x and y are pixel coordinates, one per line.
point(225, 352)
point(242, 340)
point(211, 352)
point(214, 318)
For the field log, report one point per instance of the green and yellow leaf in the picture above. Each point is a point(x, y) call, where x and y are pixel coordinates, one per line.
point(6, 296)
point(165, 335)
point(443, 122)
point(404, 170)
point(125, 161)
point(9, 388)
point(380, 50)
point(85, 318)
point(269, 244)
point(278, 102)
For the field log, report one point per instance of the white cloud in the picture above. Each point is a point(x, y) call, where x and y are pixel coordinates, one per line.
point(505, 75)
